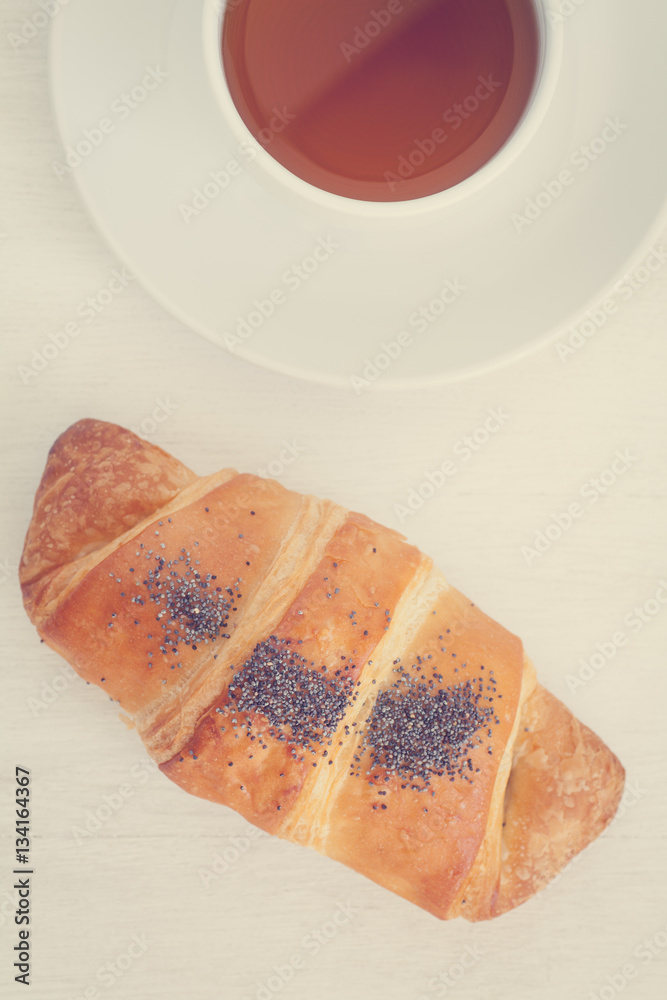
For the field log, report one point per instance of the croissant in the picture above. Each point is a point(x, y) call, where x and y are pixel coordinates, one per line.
point(312, 670)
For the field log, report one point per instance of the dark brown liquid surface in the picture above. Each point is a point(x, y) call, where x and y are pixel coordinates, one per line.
point(384, 101)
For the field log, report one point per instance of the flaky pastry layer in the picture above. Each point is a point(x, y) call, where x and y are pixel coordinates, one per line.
point(312, 670)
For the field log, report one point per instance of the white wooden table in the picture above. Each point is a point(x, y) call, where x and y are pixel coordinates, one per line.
point(137, 909)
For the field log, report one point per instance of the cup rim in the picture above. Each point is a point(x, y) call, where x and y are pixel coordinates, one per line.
point(549, 62)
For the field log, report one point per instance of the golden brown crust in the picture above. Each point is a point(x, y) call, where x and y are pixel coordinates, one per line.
point(185, 599)
point(421, 842)
point(110, 617)
point(564, 789)
point(480, 887)
point(335, 621)
point(99, 480)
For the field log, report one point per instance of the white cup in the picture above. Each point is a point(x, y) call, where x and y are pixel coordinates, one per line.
point(274, 173)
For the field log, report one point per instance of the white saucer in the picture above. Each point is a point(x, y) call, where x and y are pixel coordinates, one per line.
point(490, 292)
